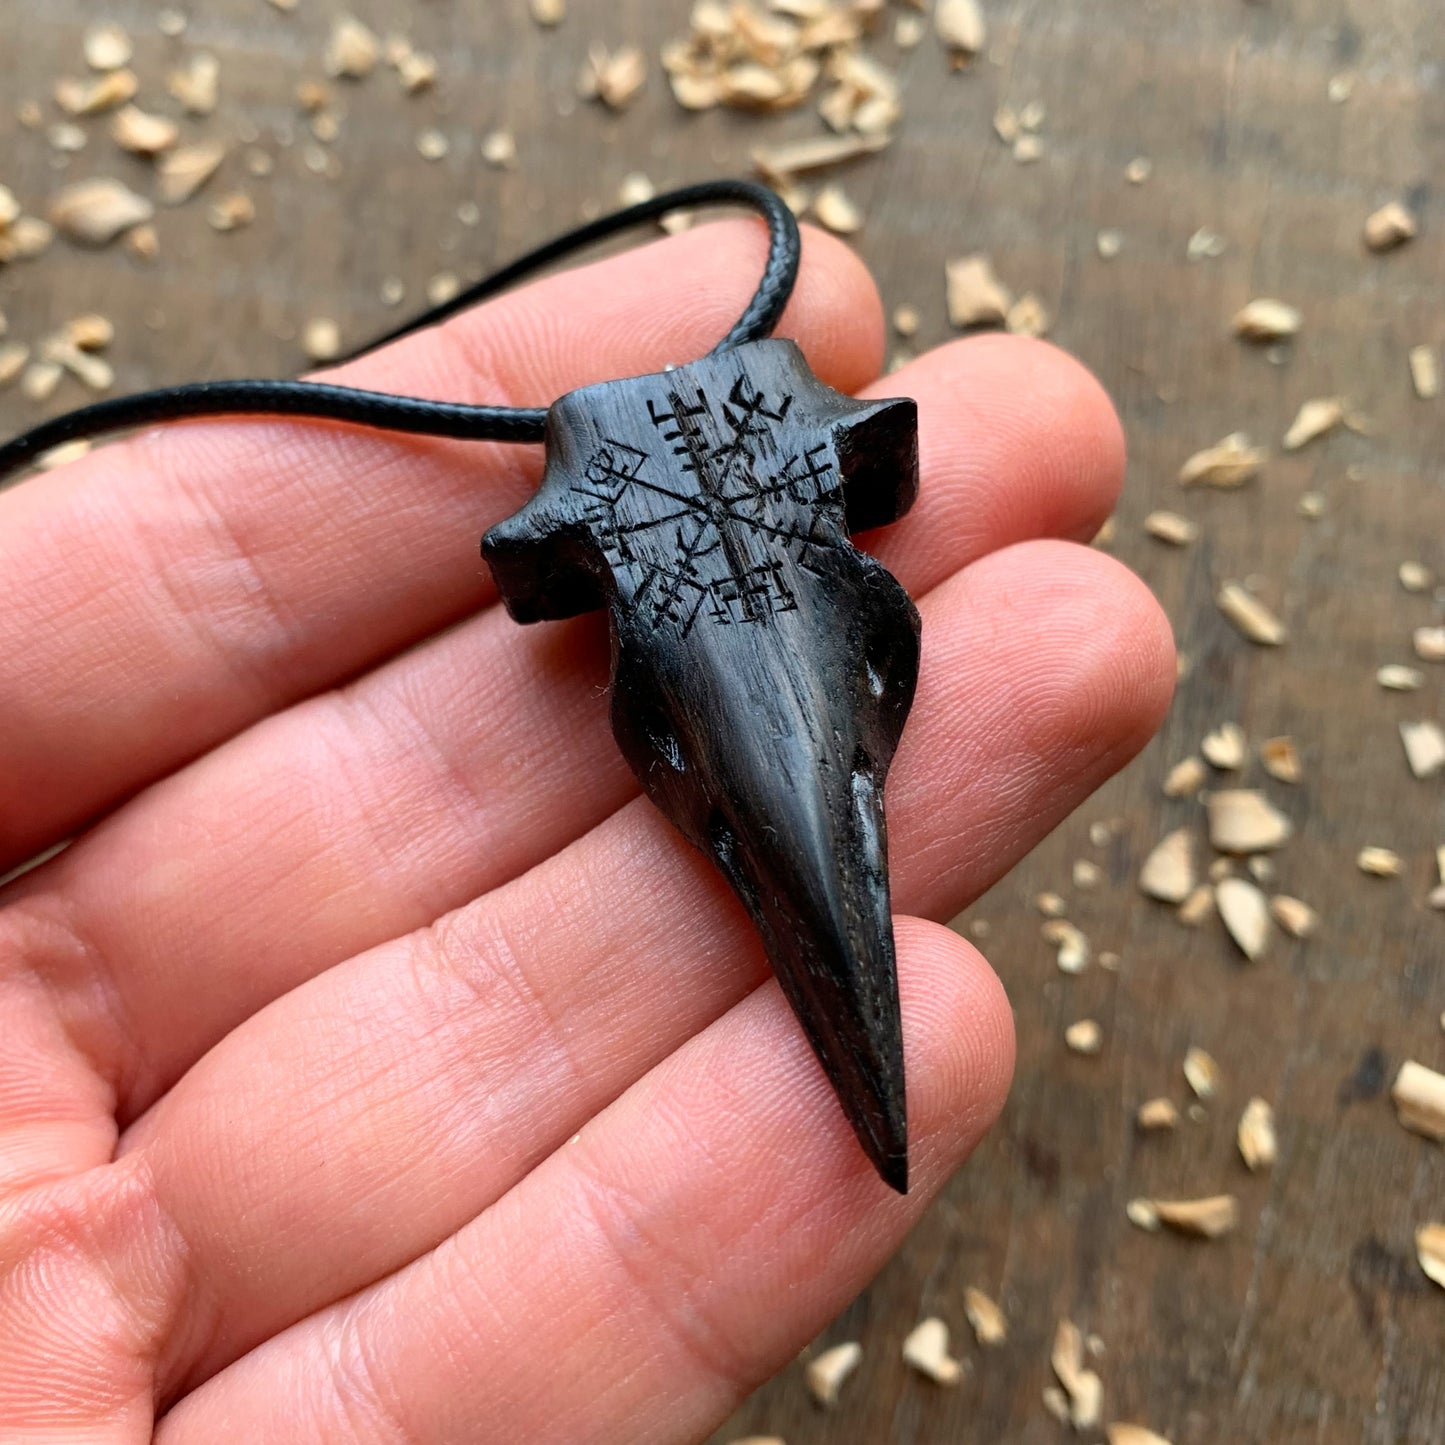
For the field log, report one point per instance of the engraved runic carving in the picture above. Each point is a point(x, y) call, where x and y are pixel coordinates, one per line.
point(762, 666)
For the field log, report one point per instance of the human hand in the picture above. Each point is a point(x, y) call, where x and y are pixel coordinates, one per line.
point(382, 1068)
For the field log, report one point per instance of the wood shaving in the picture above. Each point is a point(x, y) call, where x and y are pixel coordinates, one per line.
point(778, 164)
point(1311, 505)
point(906, 320)
point(28, 238)
point(91, 332)
point(1201, 1073)
point(1226, 747)
point(1245, 912)
point(1340, 88)
point(1425, 372)
point(1108, 244)
point(1250, 616)
point(13, 359)
point(107, 47)
point(1142, 1214)
point(1171, 527)
point(172, 23)
point(826, 1373)
point(908, 31)
point(417, 72)
point(183, 172)
point(615, 77)
point(1265, 319)
point(635, 189)
point(197, 85)
point(961, 27)
point(1258, 1146)
point(144, 243)
point(1027, 317)
point(321, 339)
point(1230, 463)
point(1185, 778)
point(1391, 226)
point(1006, 124)
point(98, 211)
point(1419, 1097)
point(837, 212)
point(926, 1350)
point(432, 144)
point(1297, 918)
point(1316, 418)
point(40, 380)
point(352, 50)
point(1424, 747)
point(1168, 872)
point(985, 1317)
point(1072, 945)
point(1205, 245)
point(1119, 1434)
point(1027, 149)
point(1084, 1388)
point(143, 134)
point(1051, 905)
point(549, 13)
point(1378, 862)
point(1197, 907)
point(1086, 874)
point(1207, 1218)
point(62, 455)
point(1138, 170)
point(1281, 759)
point(1157, 1114)
point(67, 138)
point(91, 97)
point(1396, 677)
point(91, 371)
point(1244, 821)
point(1430, 1251)
point(499, 149)
point(976, 297)
point(1084, 1037)
point(443, 287)
point(232, 212)
point(1429, 643)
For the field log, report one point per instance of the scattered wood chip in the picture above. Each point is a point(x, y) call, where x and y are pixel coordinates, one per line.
point(826, 1373)
point(1120, 1434)
point(107, 47)
point(1201, 1072)
point(1006, 124)
point(1226, 747)
point(232, 212)
point(1430, 643)
point(184, 171)
point(1168, 873)
point(143, 134)
point(197, 85)
point(91, 97)
point(98, 211)
point(1027, 317)
point(926, 1350)
point(417, 71)
point(1205, 245)
point(549, 12)
point(780, 163)
point(1419, 1096)
point(1340, 88)
point(432, 144)
point(1378, 862)
point(1244, 821)
point(91, 371)
point(615, 77)
point(1171, 527)
point(66, 452)
point(986, 1318)
point(1142, 1214)
point(13, 359)
point(1027, 149)
point(41, 379)
point(1425, 372)
point(1086, 874)
point(1430, 1251)
point(1281, 759)
point(1084, 1037)
point(906, 320)
point(961, 27)
point(976, 297)
point(1207, 1218)
point(1245, 912)
point(1109, 244)
point(1316, 418)
point(1396, 677)
point(908, 31)
point(1391, 226)
point(1185, 778)
point(499, 149)
point(1197, 907)
point(144, 243)
point(1251, 618)
point(1230, 463)
point(1258, 1145)
point(352, 50)
point(837, 212)
point(1072, 945)
point(28, 238)
point(1265, 319)
point(1424, 747)
point(1138, 170)
point(1157, 1114)
point(1297, 918)
point(321, 340)
point(1084, 1388)
point(1050, 904)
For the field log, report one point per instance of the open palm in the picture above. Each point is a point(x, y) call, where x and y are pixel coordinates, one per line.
point(381, 1067)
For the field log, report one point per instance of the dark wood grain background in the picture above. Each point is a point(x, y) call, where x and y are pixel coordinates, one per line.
point(1312, 1323)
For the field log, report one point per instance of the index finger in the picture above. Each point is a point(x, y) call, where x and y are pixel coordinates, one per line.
point(162, 594)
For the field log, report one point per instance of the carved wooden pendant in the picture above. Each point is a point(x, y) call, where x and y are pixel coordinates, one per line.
point(762, 667)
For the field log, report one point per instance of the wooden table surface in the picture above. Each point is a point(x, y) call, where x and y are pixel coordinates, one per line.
point(1313, 1321)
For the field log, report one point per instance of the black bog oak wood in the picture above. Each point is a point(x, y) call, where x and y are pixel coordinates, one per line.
point(762, 667)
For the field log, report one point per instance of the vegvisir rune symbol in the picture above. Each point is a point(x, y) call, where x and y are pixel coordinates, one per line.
point(762, 666)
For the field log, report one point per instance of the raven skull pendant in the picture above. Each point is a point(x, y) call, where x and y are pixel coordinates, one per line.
point(762, 667)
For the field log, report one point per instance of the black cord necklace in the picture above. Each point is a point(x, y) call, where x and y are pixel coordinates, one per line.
point(762, 667)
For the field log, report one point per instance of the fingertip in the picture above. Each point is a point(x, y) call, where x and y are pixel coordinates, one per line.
point(836, 312)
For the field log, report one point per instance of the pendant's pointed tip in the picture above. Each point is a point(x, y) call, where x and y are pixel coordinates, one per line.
point(893, 1170)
